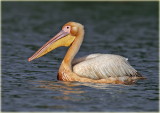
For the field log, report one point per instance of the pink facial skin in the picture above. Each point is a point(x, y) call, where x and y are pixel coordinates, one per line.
point(67, 29)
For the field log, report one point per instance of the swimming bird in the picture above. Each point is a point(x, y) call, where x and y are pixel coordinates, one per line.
point(95, 68)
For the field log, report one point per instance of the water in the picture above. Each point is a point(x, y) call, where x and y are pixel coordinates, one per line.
point(129, 29)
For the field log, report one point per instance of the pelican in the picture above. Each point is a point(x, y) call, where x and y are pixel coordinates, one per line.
point(94, 68)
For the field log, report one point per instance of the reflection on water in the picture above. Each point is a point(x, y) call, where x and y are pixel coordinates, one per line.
point(65, 87)
point(69, 88)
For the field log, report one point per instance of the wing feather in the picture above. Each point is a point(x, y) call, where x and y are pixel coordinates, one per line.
point(87, 57)
point(103, 66)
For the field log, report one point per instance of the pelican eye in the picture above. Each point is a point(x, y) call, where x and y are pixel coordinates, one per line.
point(67, 29)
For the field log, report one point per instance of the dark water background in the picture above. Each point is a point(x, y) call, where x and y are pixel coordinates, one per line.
point(129, 29)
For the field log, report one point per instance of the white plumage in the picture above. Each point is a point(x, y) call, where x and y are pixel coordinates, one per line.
point(103, 66)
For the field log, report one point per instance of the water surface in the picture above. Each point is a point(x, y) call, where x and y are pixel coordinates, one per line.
point(129, 29)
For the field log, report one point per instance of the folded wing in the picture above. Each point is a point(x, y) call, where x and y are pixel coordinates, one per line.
point(103, 66)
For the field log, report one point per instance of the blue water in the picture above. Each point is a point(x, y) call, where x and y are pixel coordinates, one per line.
point(129, 29)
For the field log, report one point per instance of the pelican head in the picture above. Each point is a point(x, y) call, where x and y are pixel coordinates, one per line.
point(64, 38)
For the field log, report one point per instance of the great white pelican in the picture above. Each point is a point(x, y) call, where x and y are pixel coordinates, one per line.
point(95, 68)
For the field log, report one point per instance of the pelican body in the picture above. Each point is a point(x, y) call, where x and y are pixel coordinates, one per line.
point(95, 68)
